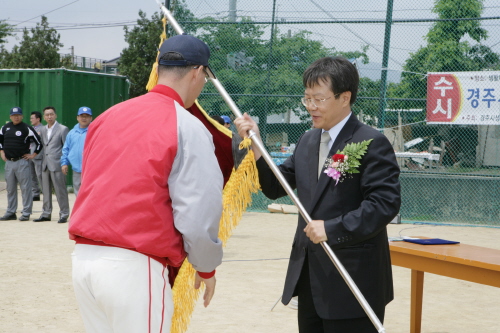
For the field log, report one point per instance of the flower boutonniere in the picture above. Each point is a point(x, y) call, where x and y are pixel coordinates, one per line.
point(346, 161)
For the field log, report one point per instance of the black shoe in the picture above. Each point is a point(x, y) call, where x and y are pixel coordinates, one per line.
point(42, 219)
point(37, 198)
point(62, 220)
point(8, 217)
point(24, 218)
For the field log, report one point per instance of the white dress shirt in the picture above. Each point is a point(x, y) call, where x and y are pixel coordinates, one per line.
point(49, 130)
point(335, 130)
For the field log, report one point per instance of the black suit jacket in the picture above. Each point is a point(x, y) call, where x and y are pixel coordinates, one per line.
point(356, 212)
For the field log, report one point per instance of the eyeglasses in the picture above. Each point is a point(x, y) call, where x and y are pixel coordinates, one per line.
point(204, 71)
point(315, 102)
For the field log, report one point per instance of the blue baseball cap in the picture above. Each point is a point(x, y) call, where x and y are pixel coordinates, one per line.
point(85, 110)
point(192, 50)
point(16, 110)
point(227, 120)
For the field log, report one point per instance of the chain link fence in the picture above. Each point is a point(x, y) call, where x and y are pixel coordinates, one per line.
point(70, 61)
point(450, 170)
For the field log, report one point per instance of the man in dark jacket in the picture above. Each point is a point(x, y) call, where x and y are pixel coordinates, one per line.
point(15, 140)
point(350, 196)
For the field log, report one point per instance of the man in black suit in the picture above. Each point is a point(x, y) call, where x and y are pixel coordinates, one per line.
point(350, 211)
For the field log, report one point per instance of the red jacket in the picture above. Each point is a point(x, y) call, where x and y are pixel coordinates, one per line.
point(118, 204)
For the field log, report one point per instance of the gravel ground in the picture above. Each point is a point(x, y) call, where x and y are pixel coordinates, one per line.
point(37, 296)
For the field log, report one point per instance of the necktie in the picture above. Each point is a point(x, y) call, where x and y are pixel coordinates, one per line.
point(323, 151)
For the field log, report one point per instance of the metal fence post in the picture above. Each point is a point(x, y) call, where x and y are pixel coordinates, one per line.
point(385, 63)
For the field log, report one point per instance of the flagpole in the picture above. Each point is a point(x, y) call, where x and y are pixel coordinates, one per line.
point(259, 144)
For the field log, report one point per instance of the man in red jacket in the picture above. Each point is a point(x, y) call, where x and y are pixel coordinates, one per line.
point(151, 195)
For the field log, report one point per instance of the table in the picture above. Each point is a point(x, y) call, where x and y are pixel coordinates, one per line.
point(459, 261)
point(427, 156)
point(279, 157)
point(433, 159)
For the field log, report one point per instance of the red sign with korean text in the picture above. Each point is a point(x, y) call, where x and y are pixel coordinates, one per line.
point(444, 98)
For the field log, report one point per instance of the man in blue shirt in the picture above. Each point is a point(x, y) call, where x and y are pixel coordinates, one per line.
point(72, 151)
point(227, 121)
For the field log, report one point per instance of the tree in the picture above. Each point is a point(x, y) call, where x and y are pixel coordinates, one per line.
point(39, 48)
point(267, 77)
point(263, 68)
point(284, 65)
point(370, 90)
point(138, 58)
point(67, 62)
point(234, 48)
point(5, 31)
point(252, 69)
point(356, 54)
point(447, 49)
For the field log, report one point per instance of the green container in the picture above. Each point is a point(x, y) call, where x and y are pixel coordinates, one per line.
point(66, 90)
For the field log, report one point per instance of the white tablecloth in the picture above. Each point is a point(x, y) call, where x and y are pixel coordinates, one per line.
point(427, 156)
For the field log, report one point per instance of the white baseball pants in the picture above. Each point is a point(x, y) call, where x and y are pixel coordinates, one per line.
point(121, 291)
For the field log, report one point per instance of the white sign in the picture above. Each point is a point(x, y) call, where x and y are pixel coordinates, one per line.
point(466, 98)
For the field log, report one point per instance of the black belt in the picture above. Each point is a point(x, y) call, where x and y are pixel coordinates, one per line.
point(13, 159)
